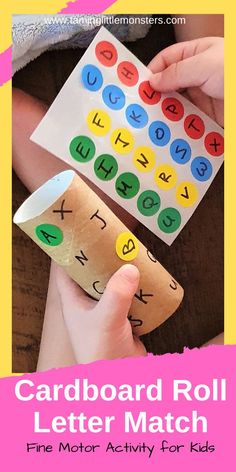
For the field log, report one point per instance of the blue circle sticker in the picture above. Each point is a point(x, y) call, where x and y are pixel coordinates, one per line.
point(159, 133)
point(180, 151)
point(91, 77)
point(201, 168)
point(136, 116)
point(113, 97)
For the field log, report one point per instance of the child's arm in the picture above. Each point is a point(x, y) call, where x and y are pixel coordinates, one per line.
point(198, 26)
point(55, 347)
point(219, 340)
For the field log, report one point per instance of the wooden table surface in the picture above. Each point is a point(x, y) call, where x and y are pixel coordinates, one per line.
point(195, 259)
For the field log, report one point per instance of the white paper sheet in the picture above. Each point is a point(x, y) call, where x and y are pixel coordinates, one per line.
point(170, 165)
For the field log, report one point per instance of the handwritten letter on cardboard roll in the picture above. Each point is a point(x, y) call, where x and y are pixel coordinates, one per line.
point(78, 231)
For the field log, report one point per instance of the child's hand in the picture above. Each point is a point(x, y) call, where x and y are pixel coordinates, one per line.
point(196, 65)
point(101, 330)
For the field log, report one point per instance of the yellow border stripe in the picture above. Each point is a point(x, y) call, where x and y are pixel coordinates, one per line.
point(230, 174)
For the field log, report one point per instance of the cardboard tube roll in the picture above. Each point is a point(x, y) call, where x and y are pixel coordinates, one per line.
point(78, 231)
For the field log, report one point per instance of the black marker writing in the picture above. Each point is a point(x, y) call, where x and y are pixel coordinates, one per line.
point(144, 162)
point(135, 321)
point(96, 215)
point(141, 296)
point(125, 188)
point(91, 82)
point(95, 287)
point(125, 143)
point(171, 220)
point(62, 211)
point(134, 117)
point(151, 257)
point(127, 73)
point(82, 259)
point(173, 284)
point(164, 177)
point(97, 123)
point(186, 194)
point(47, 236)
point(129, 247)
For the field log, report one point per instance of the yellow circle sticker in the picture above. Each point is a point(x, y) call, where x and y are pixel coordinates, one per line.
point(165, 177)
point(122, 140)
point(99, 122)
point(186, 194)
point(127, 246)
point(144, 158)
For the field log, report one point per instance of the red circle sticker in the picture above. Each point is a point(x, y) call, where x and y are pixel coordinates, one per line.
point(106, 53)
point(172, 109)
point(127, 73)
point(214, 144)
point(148, 94)
point(194, 126)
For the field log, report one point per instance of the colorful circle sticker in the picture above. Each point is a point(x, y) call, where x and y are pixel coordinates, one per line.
point(105, 167)
point(169, 220)
point(99, 122)
point(127, 246)
point(106, 53)
point(165, 177)
point(144, 159)
point(214, 144)
point(172, 109)
point(136, 116)
point(91, 78)
point(180, 151)
point(147, 94)
point(82, 149)
point(128, 73)
point(127, 185)
point(201, 168)
point(194, 126)
point(122, 140)
point(49, 234)
point(113, 97)
point(186, 194)
point(148, 203)
point(159, 133)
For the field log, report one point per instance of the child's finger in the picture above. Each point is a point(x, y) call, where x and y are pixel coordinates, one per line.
point(191, 72)
point(120, 290)
point(71, 294)
point(178, 52)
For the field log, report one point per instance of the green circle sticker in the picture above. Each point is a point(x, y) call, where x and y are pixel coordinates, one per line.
point(105, 167)
point(148, 203)
point(127, 185)
point(169, 220)
point(82, 149)
point(49, 234)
